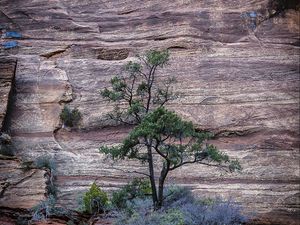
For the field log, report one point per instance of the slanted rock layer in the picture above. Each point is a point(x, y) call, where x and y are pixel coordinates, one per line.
point(237, 66)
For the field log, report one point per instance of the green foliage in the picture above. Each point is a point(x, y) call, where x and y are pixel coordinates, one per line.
point(173, 216)
point(95, 199)
point(138, 188)
point(139, 89)
point(157, 58)
point(175, 140)
point(235, 165)
point(139, 100)
point(70, 118)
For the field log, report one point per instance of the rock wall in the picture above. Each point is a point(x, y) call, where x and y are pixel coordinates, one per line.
point(237, 66)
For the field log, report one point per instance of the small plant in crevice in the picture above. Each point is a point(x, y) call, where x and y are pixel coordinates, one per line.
point(94, 200)
point(47, 162)
point(70, 117)
point(44, 209)
point(48, 208)
point(6, 146)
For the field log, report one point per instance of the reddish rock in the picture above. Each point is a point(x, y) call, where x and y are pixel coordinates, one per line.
point(237, 66)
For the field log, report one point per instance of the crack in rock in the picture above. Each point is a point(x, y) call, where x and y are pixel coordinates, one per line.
point(58, 52)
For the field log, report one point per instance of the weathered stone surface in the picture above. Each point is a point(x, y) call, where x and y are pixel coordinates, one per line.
point(237, 75)
point(7, 72)
point(20, 190)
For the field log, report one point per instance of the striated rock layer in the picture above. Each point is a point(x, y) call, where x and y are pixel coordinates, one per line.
point(237, 66)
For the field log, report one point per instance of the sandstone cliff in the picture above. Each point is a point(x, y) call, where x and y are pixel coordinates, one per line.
point(237, 66)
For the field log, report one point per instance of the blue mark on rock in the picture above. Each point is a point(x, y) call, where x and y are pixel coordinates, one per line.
point(12, 34)
point(252, 14)
point(10, 44)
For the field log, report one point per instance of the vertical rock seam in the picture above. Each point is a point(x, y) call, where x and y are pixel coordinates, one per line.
point(7, 80)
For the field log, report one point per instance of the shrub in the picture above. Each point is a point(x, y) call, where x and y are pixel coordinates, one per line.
point(70, 118)
point(6, 147)
point(44, 209)
point(48, 162)
point(48, 208)
point(5, 138)
point(95, 200)
point(181, 208)
point(45, 161)
point(177, 196)
point(173, 216)
point(22, 220)
point(138, 188)
point(51, 189)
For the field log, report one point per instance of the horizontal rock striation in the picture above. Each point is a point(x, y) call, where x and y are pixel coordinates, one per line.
point(237, 66)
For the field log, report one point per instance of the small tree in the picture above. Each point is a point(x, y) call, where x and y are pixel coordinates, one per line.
point(158, 130)
point(70, 118)
point(95, 199)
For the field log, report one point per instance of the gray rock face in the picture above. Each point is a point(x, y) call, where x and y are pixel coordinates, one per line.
point(237, 66)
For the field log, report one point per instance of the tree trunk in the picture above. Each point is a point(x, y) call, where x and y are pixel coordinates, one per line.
point(152, 177)
point(162, 178)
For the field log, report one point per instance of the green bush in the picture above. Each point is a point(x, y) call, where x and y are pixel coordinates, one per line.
point(70, 118)
point(95, 200)
point(181, 208)
point(138, 188)
point(173, 216)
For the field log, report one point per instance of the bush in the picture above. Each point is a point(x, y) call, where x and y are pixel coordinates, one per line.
point(138, 188)
point(181, 208)
point(6, 147)
point(95, 200)
point(44, 209)
point(177, 196)
point(48, 208)
point(70, 118)
point(45, 161)
point(173, 216)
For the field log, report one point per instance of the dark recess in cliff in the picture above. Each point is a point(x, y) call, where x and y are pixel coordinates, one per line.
point(276, 7)
point(112, 54)
point(11, 98)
